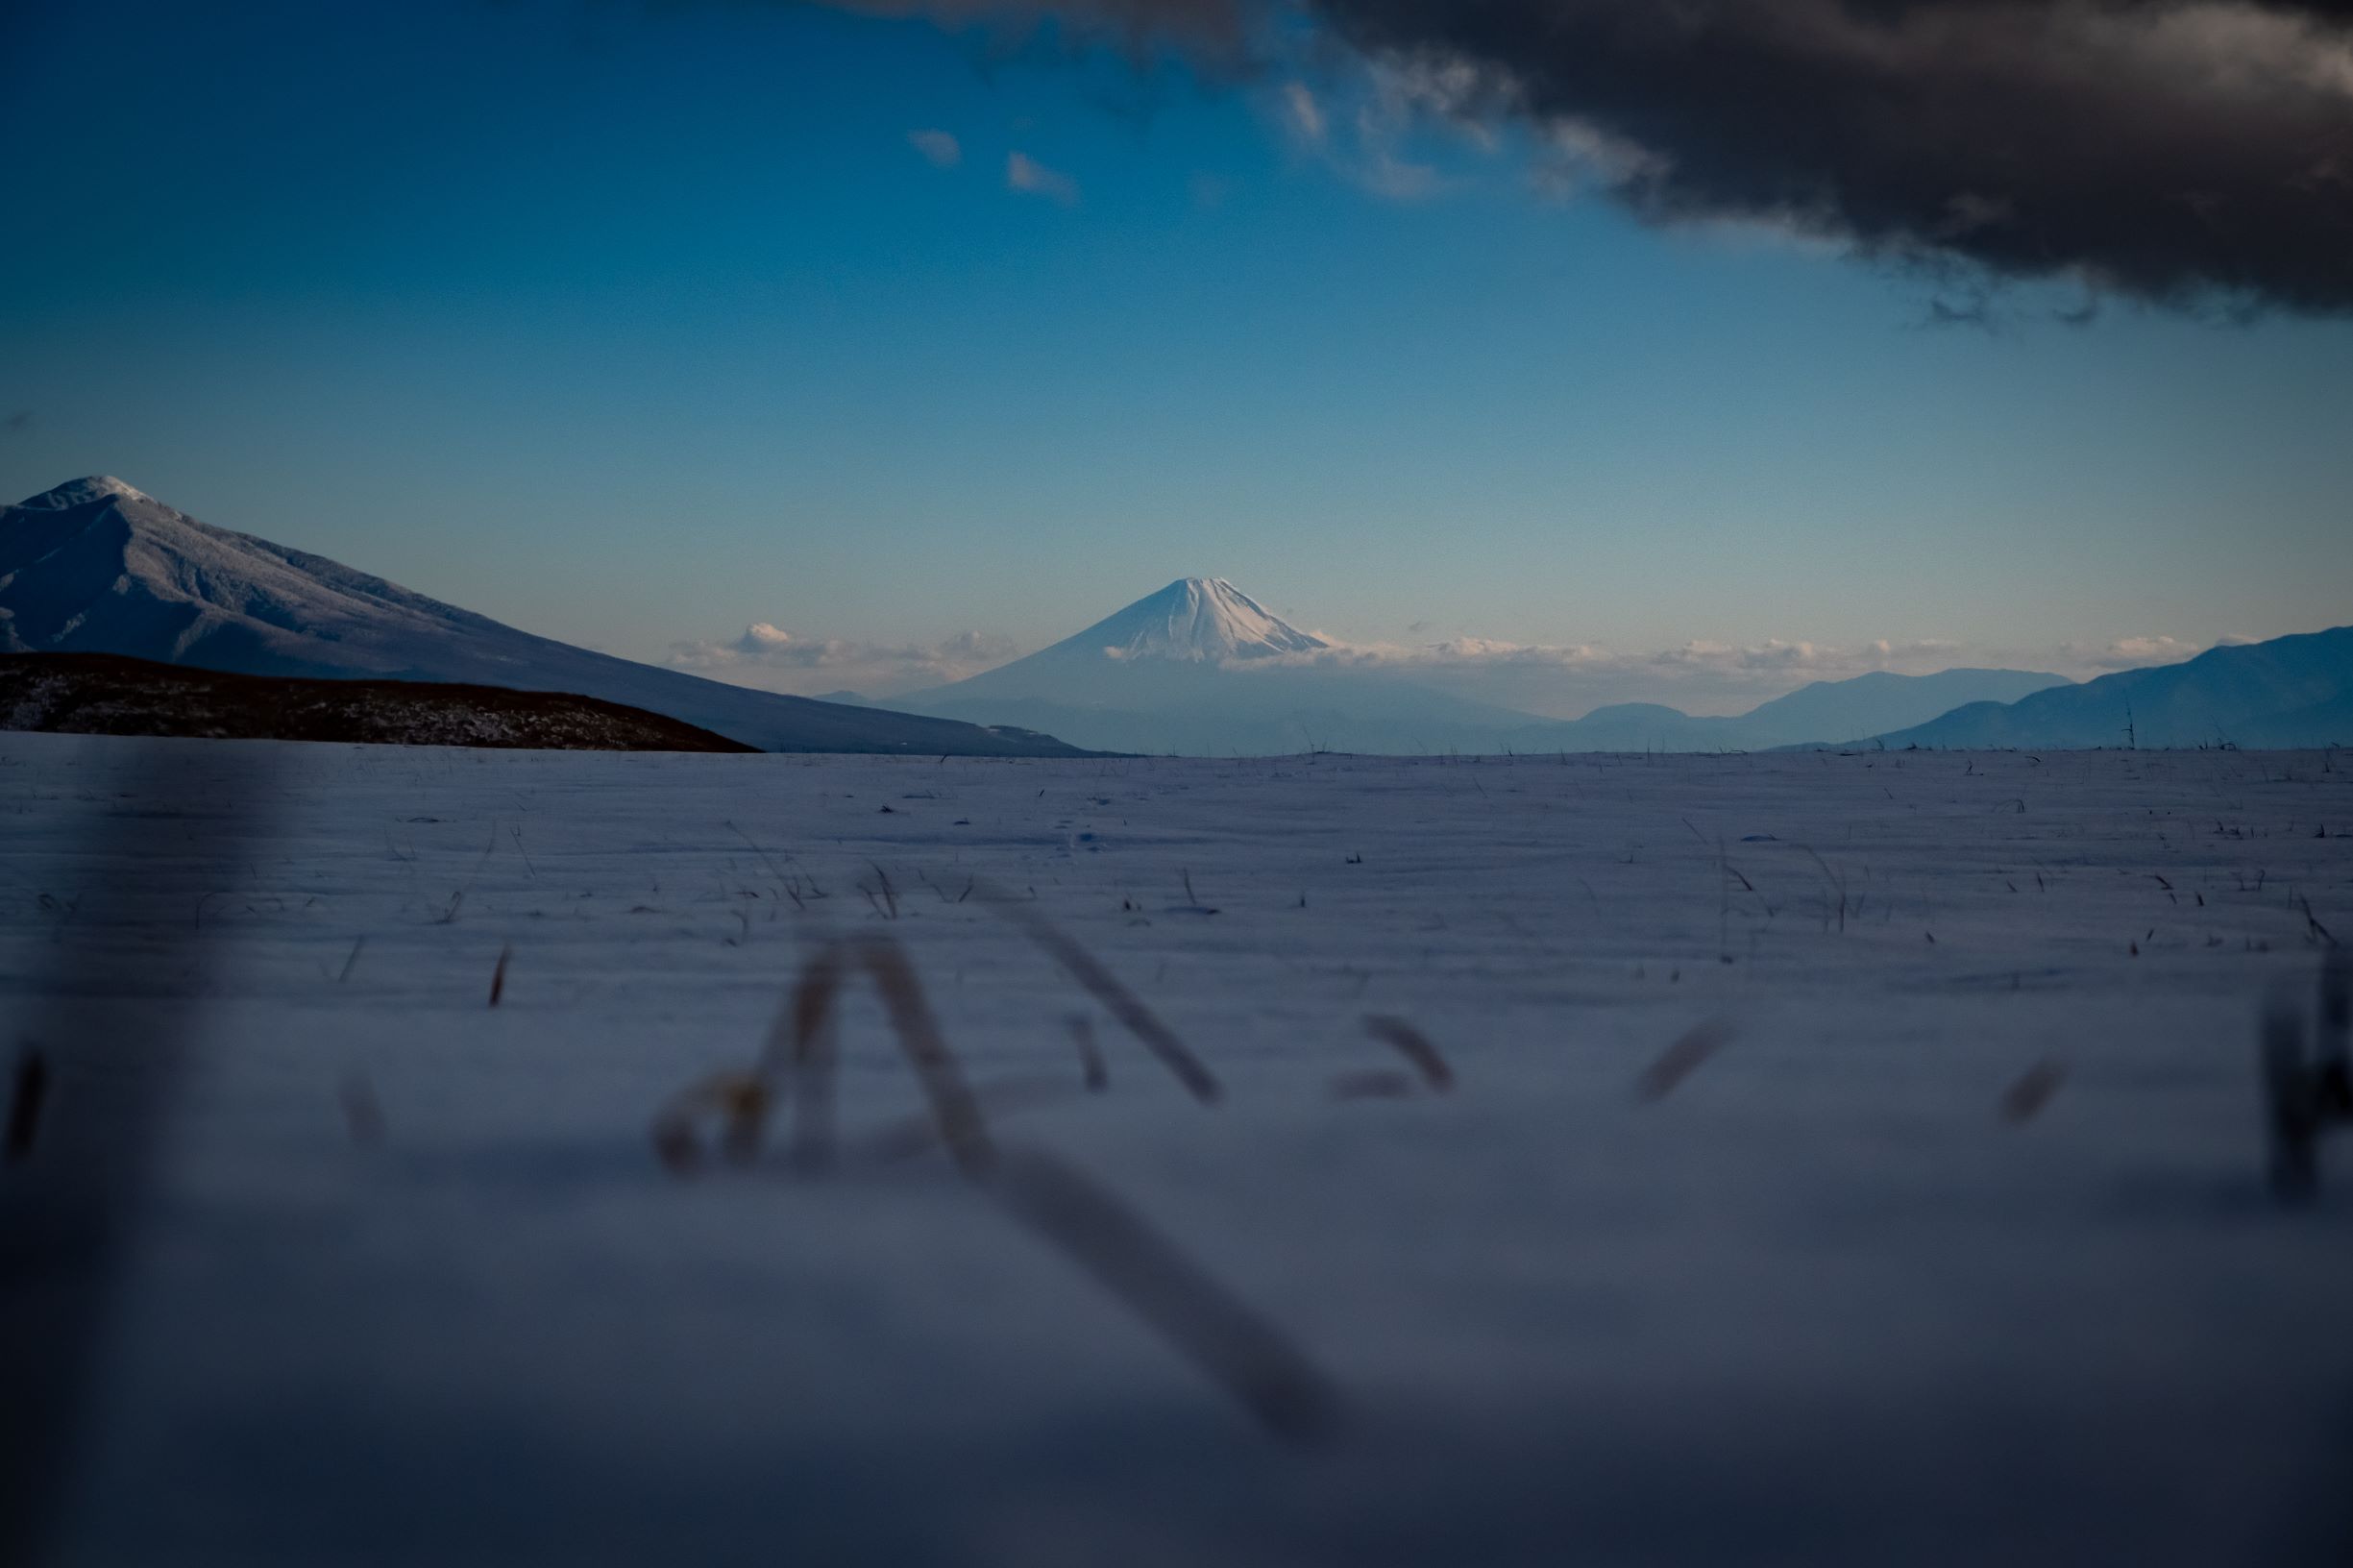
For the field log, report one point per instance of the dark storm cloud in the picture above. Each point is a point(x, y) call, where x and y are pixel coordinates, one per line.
point(2171, 150)
point(2184, 152)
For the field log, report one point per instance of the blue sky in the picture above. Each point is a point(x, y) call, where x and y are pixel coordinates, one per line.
point(635, 325)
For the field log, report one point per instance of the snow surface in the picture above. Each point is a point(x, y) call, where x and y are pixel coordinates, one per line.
point(1821, 1302)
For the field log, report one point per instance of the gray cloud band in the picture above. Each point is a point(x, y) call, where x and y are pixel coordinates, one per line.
point(2170, 150)
point(2180, 152)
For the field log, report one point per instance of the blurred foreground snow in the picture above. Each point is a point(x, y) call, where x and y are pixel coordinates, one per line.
point(1955, 1248)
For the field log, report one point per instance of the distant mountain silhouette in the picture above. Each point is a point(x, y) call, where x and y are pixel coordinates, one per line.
point(96, 567)
point(1844, 710)
point(1201, 668)
point(1825, 712)
point(2289, 692)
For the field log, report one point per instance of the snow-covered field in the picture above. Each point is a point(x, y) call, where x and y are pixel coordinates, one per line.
point(1955, 1249)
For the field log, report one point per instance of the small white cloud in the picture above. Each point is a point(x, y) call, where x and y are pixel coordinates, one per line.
point(1025, 174)
point(1767, 658)
point(1564, 680)
point(1305, 114)
point(1571, 154)
point(2136, 652)
point(1362, 131)
point(940, 149)
point(1385, 173)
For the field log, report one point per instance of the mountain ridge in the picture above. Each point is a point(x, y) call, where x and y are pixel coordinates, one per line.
point(96, 565)
point(2292, 691)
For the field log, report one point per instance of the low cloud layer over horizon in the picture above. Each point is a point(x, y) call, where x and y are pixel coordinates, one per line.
point(771, 659)
point(1549, 680)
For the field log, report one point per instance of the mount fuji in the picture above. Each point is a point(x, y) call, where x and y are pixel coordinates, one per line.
point(1195, 622)
point(95, 566)
point(1200, 667)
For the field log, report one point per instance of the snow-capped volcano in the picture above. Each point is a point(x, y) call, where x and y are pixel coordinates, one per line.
point(1201, 622)
point(1195, 621)
point(96, 566)
point(1201, 667)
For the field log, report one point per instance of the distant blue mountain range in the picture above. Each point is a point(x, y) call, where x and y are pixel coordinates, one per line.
point(2288, 692)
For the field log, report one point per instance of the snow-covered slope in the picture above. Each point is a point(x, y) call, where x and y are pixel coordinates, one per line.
point(95, 566)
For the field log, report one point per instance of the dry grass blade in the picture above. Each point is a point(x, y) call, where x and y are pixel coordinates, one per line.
point(2336, 1039)
point(1415, 1047)
point(1680, 1059)
point(497, 976)
point(2294, 1119)
point(766, 859)
point(1112, 1243)
point(72, 1237)
point(952, 1105)
point(1120, 1002)
point(800, 1049)
point(2023, 1100)
point(1271, 1377)
point(25, 1106)
point(802, 1042)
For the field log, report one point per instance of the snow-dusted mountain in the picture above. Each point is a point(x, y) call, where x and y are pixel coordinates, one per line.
point(95, 566)
point(1202, 669)
point(1162, 644)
